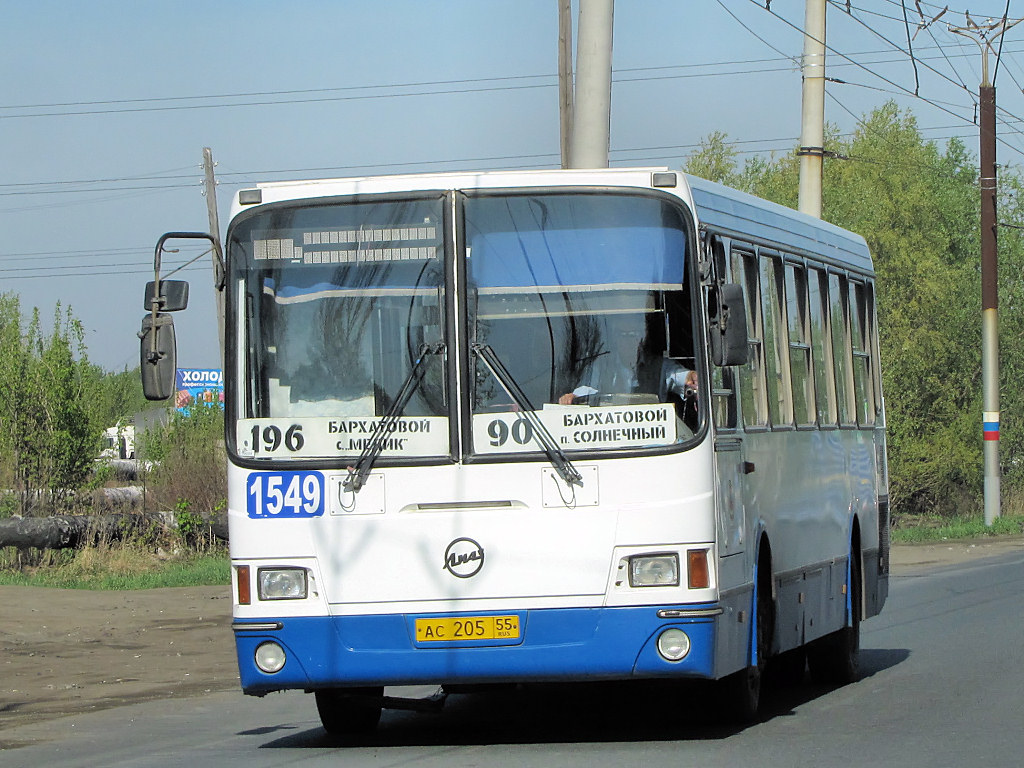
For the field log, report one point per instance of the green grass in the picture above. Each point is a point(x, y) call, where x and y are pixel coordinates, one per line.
point(119, 569)
point(923, 529)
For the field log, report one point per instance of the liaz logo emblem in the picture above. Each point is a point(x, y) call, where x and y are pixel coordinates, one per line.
point(464, 558)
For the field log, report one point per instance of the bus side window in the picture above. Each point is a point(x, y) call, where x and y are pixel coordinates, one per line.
point(871, 318)
point(780, 410)
point(799, 345)
point(841, 351)
point(723, 394)
point(753, 400)
point(723, 379)
point(862, 378)
point(821, 350)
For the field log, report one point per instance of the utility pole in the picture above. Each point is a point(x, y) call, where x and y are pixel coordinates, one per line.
point(565, 100)
point(210, 191)
point(985, 35)
point(589, 142)
point(812, 124)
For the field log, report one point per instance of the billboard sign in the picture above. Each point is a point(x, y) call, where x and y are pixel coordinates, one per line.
point(198, 385)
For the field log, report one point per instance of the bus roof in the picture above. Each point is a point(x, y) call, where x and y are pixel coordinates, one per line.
point(730, 211)
point(717, 207)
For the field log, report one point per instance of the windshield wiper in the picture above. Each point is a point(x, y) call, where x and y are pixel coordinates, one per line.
point(357, 474)
point(556, 455)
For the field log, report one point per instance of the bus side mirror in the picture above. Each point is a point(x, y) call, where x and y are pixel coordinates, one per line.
point(173, 295)
point(728, 324)
point(158, 357)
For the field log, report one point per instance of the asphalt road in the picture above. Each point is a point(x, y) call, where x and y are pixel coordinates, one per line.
point(943, 685)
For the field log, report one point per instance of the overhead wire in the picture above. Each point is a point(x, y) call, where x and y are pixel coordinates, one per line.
point(739, 21)
point(304, 95)
point(1006, 14)
point(45, 188)
point(902, 89)
point(895, 46)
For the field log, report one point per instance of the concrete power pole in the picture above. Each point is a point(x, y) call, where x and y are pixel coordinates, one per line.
point(985, 35)
point(589, 142)
point(812, 127)
point(565, 100)
point(210, 191)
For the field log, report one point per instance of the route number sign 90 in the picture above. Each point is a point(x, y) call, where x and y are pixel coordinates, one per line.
point(285, 494)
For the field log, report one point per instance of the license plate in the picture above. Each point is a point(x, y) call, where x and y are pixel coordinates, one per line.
point(447, 629)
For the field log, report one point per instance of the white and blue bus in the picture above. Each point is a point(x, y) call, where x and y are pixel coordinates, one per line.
point(542, 426)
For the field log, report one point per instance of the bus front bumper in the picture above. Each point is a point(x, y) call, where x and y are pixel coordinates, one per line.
point(548, 645)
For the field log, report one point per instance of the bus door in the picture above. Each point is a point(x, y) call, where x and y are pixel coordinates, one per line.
point(732, 465)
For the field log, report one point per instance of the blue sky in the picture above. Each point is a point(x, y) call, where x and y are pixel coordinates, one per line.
point(106, 105)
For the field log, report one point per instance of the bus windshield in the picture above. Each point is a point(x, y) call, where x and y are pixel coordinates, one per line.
point(333, 304)
point(581, 298)
point(585, 300)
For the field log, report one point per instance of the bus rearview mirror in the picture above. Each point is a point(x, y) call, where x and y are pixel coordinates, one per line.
point(158, 357)
point(728, 324)
point(173, 295)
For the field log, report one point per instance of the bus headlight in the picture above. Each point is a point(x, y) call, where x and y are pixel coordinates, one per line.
point(661, 570)
point(281, 583)
point(270, 657)
point(673, 644)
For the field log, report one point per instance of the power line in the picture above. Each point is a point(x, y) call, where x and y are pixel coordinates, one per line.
point(426, 88)
point(894, 84)
point(46, 256)
point(895, 46)
point(119, 271)
point(794, 59)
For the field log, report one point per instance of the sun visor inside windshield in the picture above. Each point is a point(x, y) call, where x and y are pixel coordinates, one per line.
point(363, 280)
point(602, 256)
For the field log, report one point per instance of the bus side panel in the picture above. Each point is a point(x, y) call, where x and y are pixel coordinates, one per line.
point(732, 642)
point(807, 489)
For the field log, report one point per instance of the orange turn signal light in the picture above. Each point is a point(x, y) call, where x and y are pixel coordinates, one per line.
point(242, 579)
point(698, 574)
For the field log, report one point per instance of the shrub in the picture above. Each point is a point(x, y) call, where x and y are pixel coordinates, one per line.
point(189, 472)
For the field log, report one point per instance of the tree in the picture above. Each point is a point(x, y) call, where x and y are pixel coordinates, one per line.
point(71, 437)
point(1011, 325)
point(917, 206)
point(21, 418)
point(715, 160)
point(113, 398)
point(47, 439)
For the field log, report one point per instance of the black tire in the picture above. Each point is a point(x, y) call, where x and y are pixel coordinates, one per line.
point(787, 669)
point(349, 711)
point(835, 658)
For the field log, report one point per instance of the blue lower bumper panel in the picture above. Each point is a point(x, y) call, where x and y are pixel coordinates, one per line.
point(553, 644)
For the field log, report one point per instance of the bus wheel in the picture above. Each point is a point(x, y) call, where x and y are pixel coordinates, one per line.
point(349, 711)
point(787, 669)
point(835, 658)
point(741, 690)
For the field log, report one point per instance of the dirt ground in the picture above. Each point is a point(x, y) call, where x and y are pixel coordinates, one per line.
point(67, 652)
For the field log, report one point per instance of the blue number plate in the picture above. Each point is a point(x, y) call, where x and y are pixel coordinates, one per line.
point(285, 494)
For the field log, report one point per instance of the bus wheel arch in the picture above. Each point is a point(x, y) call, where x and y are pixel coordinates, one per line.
point(742, 691)
point(763, 640)
point(835, 658)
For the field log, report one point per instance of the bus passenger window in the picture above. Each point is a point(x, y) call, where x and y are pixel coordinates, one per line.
point(821, 350)
point(723, 397)
point(799, 345)
point(841, 352)
point(862, 378)
point(753, 402)
point(780, 410)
